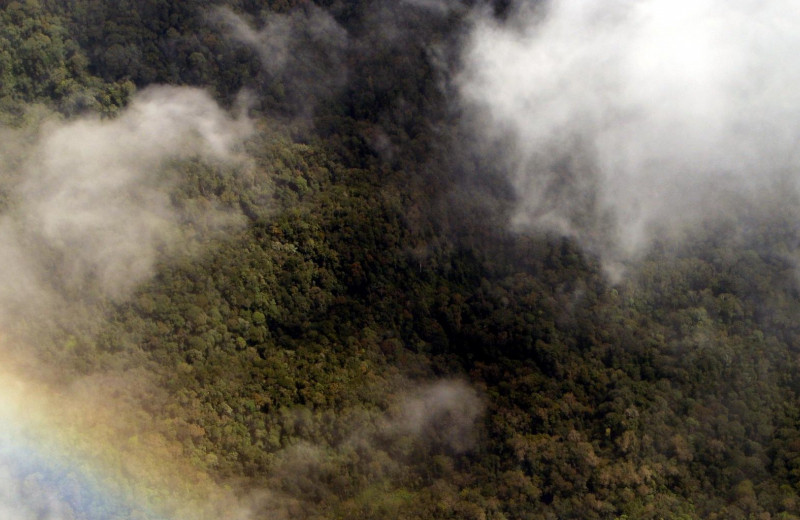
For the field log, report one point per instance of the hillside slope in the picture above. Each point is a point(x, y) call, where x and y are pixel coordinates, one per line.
point(335, 317)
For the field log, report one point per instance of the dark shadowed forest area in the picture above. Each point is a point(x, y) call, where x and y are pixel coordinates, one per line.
point(397, 259)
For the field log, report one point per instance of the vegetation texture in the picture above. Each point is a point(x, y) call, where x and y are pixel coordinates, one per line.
point(368, 338)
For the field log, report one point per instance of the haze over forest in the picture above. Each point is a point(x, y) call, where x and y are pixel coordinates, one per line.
point(409, 259)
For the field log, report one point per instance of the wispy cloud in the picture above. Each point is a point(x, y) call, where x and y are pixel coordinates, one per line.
point(92, 205)
point(626, 119)
point(302, 53)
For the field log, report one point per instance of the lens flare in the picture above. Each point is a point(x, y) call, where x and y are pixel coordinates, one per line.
point(77, 451)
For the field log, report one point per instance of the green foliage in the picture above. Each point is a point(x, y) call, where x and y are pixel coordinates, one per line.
point(346, 279)
point(40, 60)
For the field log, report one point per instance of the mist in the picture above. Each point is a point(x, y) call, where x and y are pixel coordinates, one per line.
point(91, 208)
point(302, 54)
point(379, 446)
point(87, 216)
point(625, 121)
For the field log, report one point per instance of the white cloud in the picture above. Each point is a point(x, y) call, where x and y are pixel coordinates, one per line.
point(626, 118)
point(96, 190)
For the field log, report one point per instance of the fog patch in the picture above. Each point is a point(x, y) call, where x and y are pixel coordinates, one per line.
point(446, 410)
point(434, 418)
point(302, 54)
point(619, 122)
point(92, 207)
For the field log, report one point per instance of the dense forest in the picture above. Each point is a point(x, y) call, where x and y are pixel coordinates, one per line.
point(257, 264)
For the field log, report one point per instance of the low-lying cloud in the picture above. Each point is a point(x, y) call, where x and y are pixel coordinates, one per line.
point(302, 54)
point(446, 410)
point(87, 212)
point(380, 447)
point(92, 206)
point(621, 120)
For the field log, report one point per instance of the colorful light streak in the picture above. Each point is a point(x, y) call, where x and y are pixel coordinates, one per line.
point(69, 454)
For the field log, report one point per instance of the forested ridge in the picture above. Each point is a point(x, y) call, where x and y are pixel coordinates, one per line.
point(367, 336)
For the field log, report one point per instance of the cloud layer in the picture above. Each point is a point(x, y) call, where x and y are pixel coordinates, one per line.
point(94, 196)
point(302, 54)
point(86, 214)
point(619, 120)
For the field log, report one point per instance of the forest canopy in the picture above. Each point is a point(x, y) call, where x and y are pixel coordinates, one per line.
point(418, 259)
